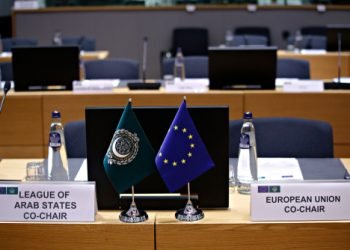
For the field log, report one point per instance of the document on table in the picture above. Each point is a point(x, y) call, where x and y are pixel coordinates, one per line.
point(279, 169)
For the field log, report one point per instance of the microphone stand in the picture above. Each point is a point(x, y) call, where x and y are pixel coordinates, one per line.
point(7, 87)
point(339, 57)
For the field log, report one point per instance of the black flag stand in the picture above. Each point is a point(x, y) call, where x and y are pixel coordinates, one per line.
point(189, 213)
point(133, 214)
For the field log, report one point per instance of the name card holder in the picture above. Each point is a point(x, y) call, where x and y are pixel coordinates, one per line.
point(48, 201)
point(300, 200)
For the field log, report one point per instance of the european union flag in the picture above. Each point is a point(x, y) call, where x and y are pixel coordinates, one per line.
point(130, 155)
point(182, 156)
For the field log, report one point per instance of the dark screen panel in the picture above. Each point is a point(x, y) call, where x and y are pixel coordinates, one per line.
point(333, 32)
point(39, 68)
point(242, 67)
point(212, 125)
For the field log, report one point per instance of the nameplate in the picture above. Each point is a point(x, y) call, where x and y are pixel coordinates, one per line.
point(303, 86)
point(47, 201)
point(29, 4)
point(304, 200)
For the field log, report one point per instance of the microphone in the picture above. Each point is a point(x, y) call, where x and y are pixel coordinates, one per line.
point(339, 56)
point(7, 87)
point(143, 84)
point(144, 58)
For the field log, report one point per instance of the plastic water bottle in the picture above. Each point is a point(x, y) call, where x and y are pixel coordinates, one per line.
point(57, 38)
point(298, 40)
point(228, 38)
point(57, 159)
point(247, 159)
point(179, 65)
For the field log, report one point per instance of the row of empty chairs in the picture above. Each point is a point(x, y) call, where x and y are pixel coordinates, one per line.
point(85, 43)
point(194, 41)
point(276, 137)
point(195, 67)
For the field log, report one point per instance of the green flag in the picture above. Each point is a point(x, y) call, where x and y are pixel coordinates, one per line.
point(130, 156)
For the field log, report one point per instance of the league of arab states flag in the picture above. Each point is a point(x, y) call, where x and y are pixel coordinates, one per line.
point(130, 156)
point(182, 156)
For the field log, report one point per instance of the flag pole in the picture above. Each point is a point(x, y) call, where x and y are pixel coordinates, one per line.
point(188, 193)
point(132, 196)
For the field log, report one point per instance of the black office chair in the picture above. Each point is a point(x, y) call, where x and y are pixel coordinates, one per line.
point(287, 137)
point(192, 41)
point(293, 68)
point(9, 43)
point(113, 68)
point(313, 31)
point(258, 31)
point(85, 43)
point(75, 137)
point(195, 66)
point(242, 40)
point(6, 71)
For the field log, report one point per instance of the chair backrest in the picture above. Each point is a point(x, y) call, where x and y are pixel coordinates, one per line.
point(287, 137)
point(9, 43)
point(293, 68)
point(85, 43)
point(259, 31)
point(313, 30)
point(315, 42)
point(113, 68)
point(240, 40)
point(195, 66)
point(75, 137)
point(6, 71)
point(192, 41)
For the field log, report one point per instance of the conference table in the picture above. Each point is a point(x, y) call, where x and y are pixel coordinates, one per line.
point(85, 55)
point(220, 229)
point(26, 116)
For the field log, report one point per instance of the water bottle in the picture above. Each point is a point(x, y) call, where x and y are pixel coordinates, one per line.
point(228, 38)
point(247, 159)
point(179, 65)
point(57, 159)
point(57, 38)
point(298, 40)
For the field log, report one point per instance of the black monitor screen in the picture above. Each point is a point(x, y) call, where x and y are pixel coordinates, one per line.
point(45, 68)
point(242, 67)
point(211, 188)
point(336, 33)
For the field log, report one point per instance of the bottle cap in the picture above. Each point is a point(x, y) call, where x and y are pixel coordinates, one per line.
point(56, 114)
point(248, 115)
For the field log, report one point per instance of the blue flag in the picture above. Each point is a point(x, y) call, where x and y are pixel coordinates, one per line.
point(182, 156)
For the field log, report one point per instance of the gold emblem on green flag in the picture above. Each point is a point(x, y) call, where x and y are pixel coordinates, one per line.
point(124, 147)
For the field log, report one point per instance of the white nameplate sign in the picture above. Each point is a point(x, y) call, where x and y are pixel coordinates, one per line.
point(300, 200)
point(47, 201)
point(303, 86)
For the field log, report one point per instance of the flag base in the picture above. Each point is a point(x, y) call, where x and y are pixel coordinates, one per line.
point(189, 213)
point(133, 215)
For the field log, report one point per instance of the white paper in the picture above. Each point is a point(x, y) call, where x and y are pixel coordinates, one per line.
point(196, 85)
point(342, 79)
point(303, 86)
point(313, 52)
point(95, 85)
point(279, 169)
point(82, 173)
